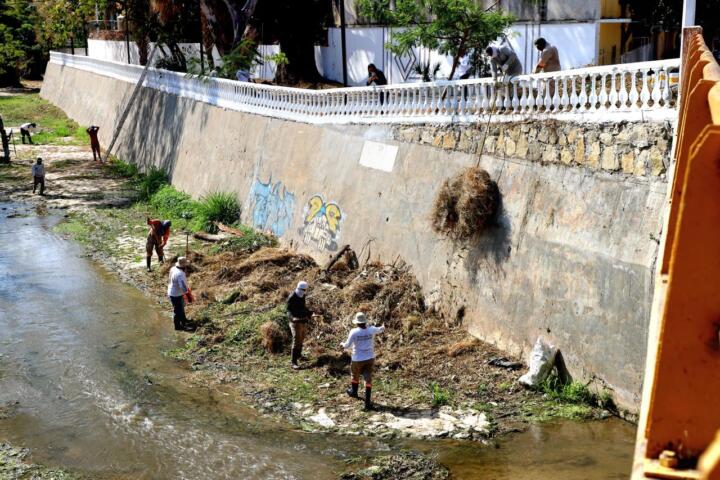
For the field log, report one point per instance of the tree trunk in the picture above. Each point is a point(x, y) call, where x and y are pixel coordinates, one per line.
point(5, 144)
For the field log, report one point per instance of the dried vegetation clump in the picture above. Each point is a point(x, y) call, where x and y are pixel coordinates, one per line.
point(465, 204)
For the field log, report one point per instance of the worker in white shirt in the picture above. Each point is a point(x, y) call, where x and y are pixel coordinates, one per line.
point(178, 291)
point(362, 341)
point(38, 174)
point(464, 68)
point(25, 130)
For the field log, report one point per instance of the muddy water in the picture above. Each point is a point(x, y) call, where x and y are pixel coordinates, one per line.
point(79, 351)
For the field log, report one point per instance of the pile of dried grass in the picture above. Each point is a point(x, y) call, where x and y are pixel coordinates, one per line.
point(465, 204)
point(273, 337)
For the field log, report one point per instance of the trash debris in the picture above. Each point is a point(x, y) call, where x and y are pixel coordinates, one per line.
point(504, 362)
point(541, 363)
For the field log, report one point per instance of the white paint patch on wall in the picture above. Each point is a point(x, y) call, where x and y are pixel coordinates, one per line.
point(379, 156)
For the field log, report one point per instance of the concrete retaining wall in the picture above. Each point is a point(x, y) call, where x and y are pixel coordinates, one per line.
point(570, 257)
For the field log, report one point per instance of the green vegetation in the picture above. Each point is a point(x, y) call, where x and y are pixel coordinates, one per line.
point(218, 207)
point(251, 240)
point(54, 128)
point(573, 392)
point(149, 183)
point(571, 401)
point(450, 26)
point(440, 396)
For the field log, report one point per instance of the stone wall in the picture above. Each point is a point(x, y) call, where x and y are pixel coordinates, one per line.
point(639, 149)
point(569, 257)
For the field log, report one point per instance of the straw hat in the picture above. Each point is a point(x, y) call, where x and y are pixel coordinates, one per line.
point(359, 318)
point(182, 262)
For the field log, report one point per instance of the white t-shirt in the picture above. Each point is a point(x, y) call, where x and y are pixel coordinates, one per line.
point(27, 126)
point(362, 341)
point(463, 65)
point(178, 283)
point(242, 76)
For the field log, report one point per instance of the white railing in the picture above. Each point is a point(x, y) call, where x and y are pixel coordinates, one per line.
point(608, 93)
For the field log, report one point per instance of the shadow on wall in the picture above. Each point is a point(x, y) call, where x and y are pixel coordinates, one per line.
point(492, 249)
point(155, 127)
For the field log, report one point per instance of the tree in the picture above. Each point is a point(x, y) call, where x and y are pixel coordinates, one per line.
point(64, 20)
point(19, 52)
point(451, 27)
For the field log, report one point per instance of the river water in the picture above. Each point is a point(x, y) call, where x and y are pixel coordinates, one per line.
point(80, 352)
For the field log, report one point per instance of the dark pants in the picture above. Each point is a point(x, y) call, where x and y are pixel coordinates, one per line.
point(179, 318)
point(96, 150)
point(39, 181)
point(25, 133)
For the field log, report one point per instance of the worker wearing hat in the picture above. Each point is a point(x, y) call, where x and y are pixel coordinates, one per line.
point(157, 238)
point(298, 316)
point(362, 341)
point(178, 291)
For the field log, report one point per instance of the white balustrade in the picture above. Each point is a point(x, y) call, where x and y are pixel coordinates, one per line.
point(631, 87)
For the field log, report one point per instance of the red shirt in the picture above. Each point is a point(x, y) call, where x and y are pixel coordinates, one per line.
point(156, 226)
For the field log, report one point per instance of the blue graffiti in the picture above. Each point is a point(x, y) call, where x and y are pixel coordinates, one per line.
point(272, 206)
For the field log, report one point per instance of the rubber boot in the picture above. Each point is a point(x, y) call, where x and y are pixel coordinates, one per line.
point(294, 355)
point(161, 259)
point(368, 400)
point(147, 261)
point(353, 390)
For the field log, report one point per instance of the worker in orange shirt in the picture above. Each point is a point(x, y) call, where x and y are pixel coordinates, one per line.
point(157, 238)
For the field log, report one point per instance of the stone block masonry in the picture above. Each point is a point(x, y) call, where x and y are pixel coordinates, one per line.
point(638, 149)
point(570, 255)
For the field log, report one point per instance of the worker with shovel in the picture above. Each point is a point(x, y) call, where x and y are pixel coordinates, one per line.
point(362, 341)
point(157, 239)
point(298, 316)
point(179, 291)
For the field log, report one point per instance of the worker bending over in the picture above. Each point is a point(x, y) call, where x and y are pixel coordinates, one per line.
point(503, 60)
point(157, 238)
point(362, 341)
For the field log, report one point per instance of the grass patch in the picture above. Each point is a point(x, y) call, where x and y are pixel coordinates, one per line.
point(251, 240)
point(573, 392)
point(54, 127)
point(122, 169)
point(440, 396)
point(218, 207)
point(76, 227)
point(176, 206)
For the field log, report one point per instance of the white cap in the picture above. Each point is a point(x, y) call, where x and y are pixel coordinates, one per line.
point(359, 318)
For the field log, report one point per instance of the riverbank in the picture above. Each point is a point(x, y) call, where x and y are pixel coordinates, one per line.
point(432, 379)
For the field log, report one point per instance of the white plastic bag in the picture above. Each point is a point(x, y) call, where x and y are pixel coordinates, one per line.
point(541, 363)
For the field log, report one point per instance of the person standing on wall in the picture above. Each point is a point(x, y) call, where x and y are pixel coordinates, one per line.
point(549, 57)
point(362, 341)
point(464, 68)
point(38, 173)
point(92, 132)
point(157, 239)
point(298, 317)
point(178, 291)
point(26, 130)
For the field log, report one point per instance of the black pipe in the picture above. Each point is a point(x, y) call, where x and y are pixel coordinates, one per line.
point(342, 42)
point(202, 58)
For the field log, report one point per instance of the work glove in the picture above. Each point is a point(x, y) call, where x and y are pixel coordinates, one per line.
point(504, 68)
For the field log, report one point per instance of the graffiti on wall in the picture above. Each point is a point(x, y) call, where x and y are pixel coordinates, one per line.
point(321, 223)
point(272, 206)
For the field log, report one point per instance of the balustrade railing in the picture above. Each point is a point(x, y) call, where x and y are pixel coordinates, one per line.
point(636, 87)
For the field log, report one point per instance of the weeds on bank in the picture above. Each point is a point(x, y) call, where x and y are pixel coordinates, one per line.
point(440, 396)
point(179, 207)
point(53, 126)
point(571, 401)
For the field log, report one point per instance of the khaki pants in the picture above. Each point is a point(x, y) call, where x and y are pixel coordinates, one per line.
point(364, 368)
point(151, 243)
point(298, 330)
